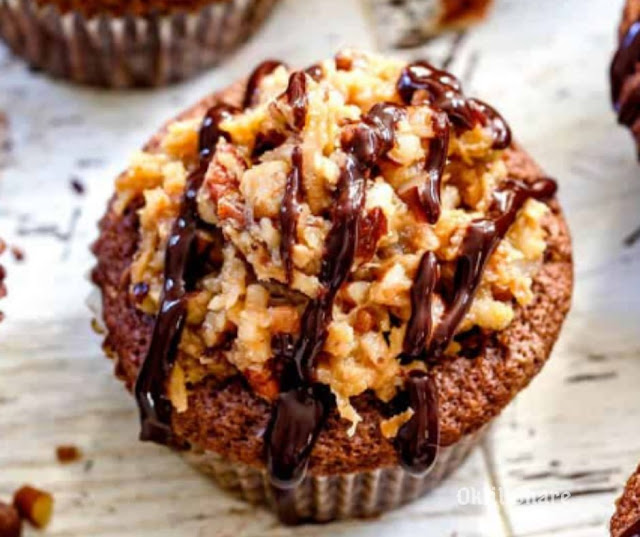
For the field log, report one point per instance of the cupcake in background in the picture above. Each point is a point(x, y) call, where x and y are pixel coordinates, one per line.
point(625, 71)
point(626, 520)
point(117, 43)
point(323, 285)
point(411, 23)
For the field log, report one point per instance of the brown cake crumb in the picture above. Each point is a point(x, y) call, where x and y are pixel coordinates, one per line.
point(68, 454)
point(10, 522)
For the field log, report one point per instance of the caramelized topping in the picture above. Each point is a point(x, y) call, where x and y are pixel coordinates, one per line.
point(264, 69)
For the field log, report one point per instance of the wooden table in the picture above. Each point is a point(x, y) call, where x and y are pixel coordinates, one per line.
point(575, 430)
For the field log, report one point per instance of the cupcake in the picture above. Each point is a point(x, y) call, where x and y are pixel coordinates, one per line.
point(123, 44)
point(624, 72)
point(626, 521)
point(411, 23)
point(322, 285)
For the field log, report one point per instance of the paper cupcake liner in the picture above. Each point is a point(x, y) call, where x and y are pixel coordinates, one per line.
point(333, 497)
point(128, 51)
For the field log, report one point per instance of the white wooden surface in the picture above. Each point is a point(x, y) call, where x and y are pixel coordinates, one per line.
point(574, 430)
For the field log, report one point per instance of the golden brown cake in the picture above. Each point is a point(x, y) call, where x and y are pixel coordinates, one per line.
point(356, 269)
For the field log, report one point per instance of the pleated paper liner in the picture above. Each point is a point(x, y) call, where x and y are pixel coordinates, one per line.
point(334, 497)
point(128, 51)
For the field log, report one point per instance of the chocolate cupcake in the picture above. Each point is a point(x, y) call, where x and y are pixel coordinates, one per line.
point(115, 43)
point(323, 285)
point(412, 22)
point(625, 71)
point(626, 521)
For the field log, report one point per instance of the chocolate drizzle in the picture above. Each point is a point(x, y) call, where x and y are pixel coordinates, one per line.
point(297, 98)
point(259, 73)
point(315, 71)
point(290, 210)
point(421, 82)
point(442, 90)
point(302, 406)
point(499, 127)
point(420, 324)
point(623, 66)
point(429, 192)
point(418, 439)
point(155, 408)
point(374, 135)
point(481, 240)
point(633, 530)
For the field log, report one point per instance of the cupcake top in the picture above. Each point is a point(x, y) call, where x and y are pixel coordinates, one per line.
point(626, 521)
point(90, 8)
point(357, 242)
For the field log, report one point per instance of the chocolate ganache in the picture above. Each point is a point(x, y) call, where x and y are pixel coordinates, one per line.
point(303, 404)
point(290, 210)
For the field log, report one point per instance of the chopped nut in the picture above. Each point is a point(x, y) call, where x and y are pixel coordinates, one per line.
point(10, 522)
point(34, 505)
point(365, 321)
point(284, 319)
point(68, 453)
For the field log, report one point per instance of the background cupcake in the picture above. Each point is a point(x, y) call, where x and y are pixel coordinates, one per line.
point(123, 44)
point(363, 271)
point(410, 23)
point(625, 77)
point(626, 521)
